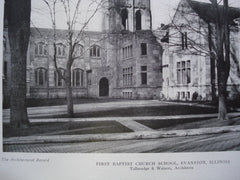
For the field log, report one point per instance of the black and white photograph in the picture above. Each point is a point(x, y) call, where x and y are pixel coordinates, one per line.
point(121, 76)
point(120, 89)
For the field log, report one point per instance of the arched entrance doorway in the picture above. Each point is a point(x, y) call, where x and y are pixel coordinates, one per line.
point(103, 87)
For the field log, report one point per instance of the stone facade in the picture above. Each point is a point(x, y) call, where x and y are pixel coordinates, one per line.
point(188, 71)
point(122, 61)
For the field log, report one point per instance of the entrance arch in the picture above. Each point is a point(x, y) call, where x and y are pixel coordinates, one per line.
point(103, 87)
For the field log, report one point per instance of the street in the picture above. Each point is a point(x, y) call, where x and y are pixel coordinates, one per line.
point(202, 143)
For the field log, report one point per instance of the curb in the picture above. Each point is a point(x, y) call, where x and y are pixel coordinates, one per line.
point(118, 136)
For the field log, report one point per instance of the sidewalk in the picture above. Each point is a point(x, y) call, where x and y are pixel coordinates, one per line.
point(120, 136)
point(140, 131)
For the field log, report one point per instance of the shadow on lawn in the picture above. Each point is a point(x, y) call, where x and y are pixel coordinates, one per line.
point(141, 111)
point(65, 128)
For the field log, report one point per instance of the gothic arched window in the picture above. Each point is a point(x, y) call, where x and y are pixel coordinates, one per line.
point(138, 20)
point(40, 76)
point(61, 50)
point(41, 49)
point(77, 78)
point(124, 16)
point(95, 51)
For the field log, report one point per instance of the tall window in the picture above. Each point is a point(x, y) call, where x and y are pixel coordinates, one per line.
point(127, 76)
point(184, 77)
point(124, 16)
point(184, 37)
point(144, 75)
point(41, 49)
point(61, 50)
point(127, 52)
point(143, 48)
point(138, 20)
point(89, 77)
point(41, 76)
point(184, 72)
point(179, 72)
point(59, 81)
point(188, 72)
point(95, 51)
point(77, 78)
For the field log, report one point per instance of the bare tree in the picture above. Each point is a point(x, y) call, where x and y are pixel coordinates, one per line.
point(18, 16)
point(73, 37)
point(223, 54)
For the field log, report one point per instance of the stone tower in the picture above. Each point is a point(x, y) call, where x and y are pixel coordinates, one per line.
point(133, 53)
point(128, 15)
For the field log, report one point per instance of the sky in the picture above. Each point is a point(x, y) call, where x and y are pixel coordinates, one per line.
point(162, 11)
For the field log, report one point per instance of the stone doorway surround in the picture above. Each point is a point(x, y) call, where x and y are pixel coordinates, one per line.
point(103, 87)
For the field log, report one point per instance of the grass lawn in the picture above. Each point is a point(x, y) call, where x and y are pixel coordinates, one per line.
point(55, 102)
point(142, 111)
point(193, 123)
point(66, 128)
point(157, 124)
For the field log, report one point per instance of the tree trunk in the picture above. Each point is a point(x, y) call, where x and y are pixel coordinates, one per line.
point(221, 69)
point(18, 32)
point(69, 92)
point(222, 108)
point(223, 59)
point(222, 89)
point(226, 56)
point(212, 63)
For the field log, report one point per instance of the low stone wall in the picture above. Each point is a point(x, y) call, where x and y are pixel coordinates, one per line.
point(136, 92)
point(53, 93)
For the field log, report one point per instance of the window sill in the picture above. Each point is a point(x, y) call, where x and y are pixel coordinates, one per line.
point(128, 86)
point(144, 85)
point(78, 87)
point(37, 55)
point(184, 85)
point(40, 87)
point(126, 59)
point(58, 87)
point(93, 57)
point(61, 57)
point(78, 57)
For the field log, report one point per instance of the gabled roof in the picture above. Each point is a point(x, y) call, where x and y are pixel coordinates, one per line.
point(207, 12)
